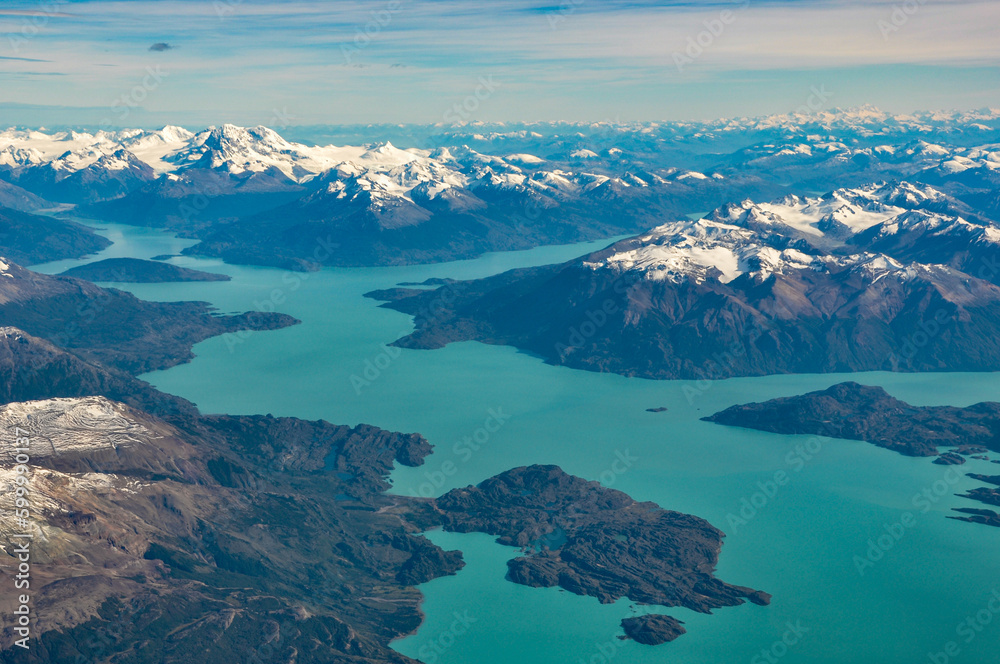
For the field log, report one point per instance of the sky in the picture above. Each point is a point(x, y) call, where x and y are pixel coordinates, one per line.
point(145, 63)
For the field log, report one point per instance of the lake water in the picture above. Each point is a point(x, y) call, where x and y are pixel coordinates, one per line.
point(801, 542)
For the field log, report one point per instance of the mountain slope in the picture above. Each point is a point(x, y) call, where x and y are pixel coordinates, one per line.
point(30, 239)
point(709, 299)
point(112, 326)
point(135, 270)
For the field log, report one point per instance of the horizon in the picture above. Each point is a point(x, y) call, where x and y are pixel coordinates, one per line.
point(344, 63)
point(802, 118)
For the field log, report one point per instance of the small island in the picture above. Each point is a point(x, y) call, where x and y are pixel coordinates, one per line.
point(949, 459)
point(652, 629)
point(138, 271)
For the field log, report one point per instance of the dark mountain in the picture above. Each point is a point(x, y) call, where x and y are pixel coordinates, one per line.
point(861, 314)
point(135, 270)
point(370, 225)
point(30, 239)
point(32, 368)
point(112, 326)
point(22, 200)
point(196, 198)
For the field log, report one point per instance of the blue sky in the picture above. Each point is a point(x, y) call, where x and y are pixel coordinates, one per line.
point(340, 62)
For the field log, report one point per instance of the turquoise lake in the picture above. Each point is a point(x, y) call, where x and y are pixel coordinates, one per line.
point(801, 544)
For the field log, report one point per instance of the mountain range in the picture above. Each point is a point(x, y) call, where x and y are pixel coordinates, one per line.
point(251, 196)
point(861, 279)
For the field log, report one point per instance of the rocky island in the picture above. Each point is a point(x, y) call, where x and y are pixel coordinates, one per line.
point(595, 541)
point(652, 629)
point(863, 412)
point(867, 413)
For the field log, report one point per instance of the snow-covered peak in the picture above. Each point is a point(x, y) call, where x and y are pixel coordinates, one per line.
point(74, 425)
point(77, 149)
point(706, 250)
point(119, 161)
point(386, 156)
point(700, 250)
point(156, 147)
point(826, 222)
point(522, 158)
point(15, 156)
point(873, 267)
point(931, 227)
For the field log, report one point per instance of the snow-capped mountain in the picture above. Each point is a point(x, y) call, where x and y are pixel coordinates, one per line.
point(829, 221)
point(481, 187)
point(879, 227)
point(838, 282)
point(918, 235)
point(698, 251)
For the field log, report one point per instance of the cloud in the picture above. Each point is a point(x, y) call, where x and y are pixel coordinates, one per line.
point(33, 12)
point(4, 57)
point(339, 59)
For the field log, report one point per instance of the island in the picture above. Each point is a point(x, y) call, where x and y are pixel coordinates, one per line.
point(868, 413)
point(595, 541)
point(138, 271)
point(652, 629)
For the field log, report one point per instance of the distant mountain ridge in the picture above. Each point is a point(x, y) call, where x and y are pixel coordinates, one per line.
point(252, 196)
